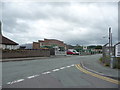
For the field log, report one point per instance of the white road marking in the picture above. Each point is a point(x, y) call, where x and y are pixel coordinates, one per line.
point(38, 75)
point(62, 68)
point(20, 80)
point(72, 65)
point(68, 66)
point(55, 70)
point(8, 82)
point(46, 72)
point(32, 76)
point(15, 81)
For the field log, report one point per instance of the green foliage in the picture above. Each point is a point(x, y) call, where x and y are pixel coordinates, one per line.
point(98, 47)
point(100, 59)
point(117, 65)
point(106, 64)
point(91, 47)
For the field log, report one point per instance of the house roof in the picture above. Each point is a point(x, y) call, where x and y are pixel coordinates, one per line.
point(7, 41)
point(117, 43)
point(52, 40)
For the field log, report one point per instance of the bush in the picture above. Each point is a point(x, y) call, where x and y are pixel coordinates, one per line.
point(100, 59)
point(105, 60)
point(117, 65)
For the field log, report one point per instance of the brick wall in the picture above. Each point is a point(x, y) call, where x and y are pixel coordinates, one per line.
point(36, 45)
point(25, 53)
point(51, 42)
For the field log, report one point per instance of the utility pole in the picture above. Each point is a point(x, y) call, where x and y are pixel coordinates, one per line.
point(112, 61)
point(109, 41)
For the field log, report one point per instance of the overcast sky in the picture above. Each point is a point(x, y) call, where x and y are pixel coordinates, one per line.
point(72, 22)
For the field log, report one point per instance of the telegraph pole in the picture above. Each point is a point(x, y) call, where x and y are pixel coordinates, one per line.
point(112, 61)
point(109, 41)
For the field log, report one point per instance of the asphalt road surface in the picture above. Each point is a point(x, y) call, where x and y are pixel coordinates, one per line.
point(59, 72)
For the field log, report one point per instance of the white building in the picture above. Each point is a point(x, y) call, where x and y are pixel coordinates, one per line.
point(6, 43)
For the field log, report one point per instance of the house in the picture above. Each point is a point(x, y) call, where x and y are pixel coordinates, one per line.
point(6, 43)
point(117, 50)
point(58, 46)
point(49, 43)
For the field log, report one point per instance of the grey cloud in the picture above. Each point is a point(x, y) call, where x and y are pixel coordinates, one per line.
point(96, 23)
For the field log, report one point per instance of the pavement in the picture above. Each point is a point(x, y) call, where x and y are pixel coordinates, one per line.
point(97, 67)
point(31, 58)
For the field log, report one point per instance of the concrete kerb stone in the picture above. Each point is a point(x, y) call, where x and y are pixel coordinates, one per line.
point(86, 68)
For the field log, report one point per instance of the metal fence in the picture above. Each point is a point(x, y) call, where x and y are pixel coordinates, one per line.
point(106, 54)
point(110, 59)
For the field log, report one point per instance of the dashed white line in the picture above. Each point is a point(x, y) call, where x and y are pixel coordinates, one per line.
point(9, 83)
point(68, 66)
point(38, 75)
point(62, 68)
point(15, 81)
point(20, 80)
point(72, 65)
point(55, 70)
point(46, 72)
point(30, 77)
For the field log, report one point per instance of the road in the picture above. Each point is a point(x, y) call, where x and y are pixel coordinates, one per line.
point(61, 72)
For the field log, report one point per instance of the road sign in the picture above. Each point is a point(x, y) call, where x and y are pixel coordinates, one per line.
point(117, 50)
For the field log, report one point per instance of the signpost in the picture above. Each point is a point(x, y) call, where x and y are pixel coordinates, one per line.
point(117, 50)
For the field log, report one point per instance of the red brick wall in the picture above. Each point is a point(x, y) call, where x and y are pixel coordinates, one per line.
point(51, 42)
point(36, 45)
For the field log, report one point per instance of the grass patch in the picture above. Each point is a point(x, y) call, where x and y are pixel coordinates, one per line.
point(100, 59)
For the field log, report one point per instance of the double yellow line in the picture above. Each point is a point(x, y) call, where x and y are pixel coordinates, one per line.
point(96, 75)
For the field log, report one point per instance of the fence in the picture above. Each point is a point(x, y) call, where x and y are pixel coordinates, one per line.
point(106, 55)
point(60, 52)
point(25, 53)
point(106, 58)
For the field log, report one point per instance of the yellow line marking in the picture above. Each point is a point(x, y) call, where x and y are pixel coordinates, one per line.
point(96, 75)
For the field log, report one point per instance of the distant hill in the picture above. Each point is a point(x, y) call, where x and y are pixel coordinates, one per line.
point(27, 46)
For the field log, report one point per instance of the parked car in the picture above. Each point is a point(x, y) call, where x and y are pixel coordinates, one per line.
point(72, 52)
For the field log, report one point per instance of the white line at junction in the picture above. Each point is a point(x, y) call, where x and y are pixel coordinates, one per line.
point(46, 72)
point(55, 70)
point(30, 77)
point(62, 68)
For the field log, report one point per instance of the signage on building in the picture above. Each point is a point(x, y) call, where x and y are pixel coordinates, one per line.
point(117, 50)
point(85, 47)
